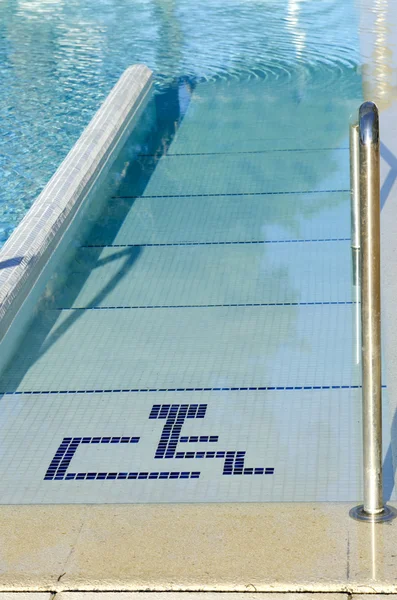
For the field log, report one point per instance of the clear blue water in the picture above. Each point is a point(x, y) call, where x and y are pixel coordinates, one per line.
point(59, 59)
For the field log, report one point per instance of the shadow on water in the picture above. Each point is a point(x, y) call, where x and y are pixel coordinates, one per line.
point(170, 107)
point(171, 104)
point(131, 256)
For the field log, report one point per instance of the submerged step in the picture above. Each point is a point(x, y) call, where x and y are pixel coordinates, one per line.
point(266, 114)
point(236, 174)
point(223, 219)
point(155, 276)
point(187, 348)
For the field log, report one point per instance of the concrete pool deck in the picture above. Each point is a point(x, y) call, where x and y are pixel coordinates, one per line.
point(218, 547)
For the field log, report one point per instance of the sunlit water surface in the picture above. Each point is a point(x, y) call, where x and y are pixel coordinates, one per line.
point(60, 58)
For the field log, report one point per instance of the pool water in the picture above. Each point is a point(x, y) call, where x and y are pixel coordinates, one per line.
point(60, 58)
point(200, 342)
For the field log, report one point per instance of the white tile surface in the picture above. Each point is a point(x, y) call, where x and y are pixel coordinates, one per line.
point(310, 438)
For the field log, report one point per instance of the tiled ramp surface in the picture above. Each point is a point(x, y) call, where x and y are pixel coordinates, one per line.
point(201, 345)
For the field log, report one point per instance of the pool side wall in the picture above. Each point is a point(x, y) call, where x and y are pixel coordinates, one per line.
point(25, 255)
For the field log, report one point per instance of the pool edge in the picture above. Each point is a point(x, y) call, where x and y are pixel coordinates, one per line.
point(271, 547)
point(26, 252)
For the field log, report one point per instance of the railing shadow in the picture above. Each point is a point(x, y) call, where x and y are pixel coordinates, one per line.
point(11, 262)
point(389, 469)
point(391, 160)
point(389, 463)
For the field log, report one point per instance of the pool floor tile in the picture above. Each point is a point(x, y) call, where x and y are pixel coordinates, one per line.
point(308, 442)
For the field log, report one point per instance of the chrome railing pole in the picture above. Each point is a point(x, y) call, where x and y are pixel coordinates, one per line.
point(370, 307)
point(355, 186)
point(355, 233)
point(373, 508)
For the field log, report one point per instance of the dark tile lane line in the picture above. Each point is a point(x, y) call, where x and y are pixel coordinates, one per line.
point(186, 389)
point(215, 243)
point(170, 154)
point(283, 193)
point(152, 306)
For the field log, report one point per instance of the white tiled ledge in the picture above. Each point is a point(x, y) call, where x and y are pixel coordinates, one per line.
point(25, 253)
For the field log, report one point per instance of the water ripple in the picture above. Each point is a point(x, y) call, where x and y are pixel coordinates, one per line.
point(59, 59)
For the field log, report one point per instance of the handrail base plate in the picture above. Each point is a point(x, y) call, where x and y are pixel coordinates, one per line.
point(359, 514)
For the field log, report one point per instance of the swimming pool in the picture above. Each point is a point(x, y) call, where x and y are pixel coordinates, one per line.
point(198, 342)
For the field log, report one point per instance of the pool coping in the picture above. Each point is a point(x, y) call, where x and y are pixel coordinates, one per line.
point(24, 255)
point(312, 547)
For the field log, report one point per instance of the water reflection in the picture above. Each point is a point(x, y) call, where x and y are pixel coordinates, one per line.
point(293, 24)
point(378, 48)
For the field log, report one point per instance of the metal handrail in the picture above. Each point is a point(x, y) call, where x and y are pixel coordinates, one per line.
point(366, 199)
point(355, 186)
